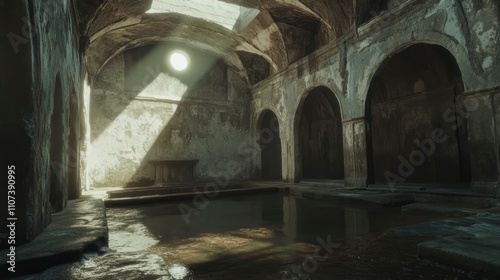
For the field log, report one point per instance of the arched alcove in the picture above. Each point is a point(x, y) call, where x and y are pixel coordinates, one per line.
point(57, 196)
point(416, 127)
point(320, 140)
point(270, 144)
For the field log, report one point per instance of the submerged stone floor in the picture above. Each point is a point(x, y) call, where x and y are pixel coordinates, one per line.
point(409, 235)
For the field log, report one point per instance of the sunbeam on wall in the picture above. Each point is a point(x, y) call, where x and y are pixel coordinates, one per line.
point(144, 108)
point(134, 119)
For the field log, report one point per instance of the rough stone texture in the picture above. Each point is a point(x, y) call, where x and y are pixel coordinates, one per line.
point(341, 196)
point(469, 243)
point(467, 253)
point(78, 229)
point(352, 41)
point(46, 59)
point(277, 33)
point(355, 162)
point(425, 208)
point(141, 111)
point(449, 24)
point(483, 125)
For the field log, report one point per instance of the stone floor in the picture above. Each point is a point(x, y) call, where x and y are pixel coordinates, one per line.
point(80, 228)
point(464, 234)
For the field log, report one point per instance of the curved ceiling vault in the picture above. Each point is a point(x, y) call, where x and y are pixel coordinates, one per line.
point(275, 33)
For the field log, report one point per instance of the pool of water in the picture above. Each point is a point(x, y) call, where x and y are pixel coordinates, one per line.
point(266, 236)
point(281, 218)
point(270, 236)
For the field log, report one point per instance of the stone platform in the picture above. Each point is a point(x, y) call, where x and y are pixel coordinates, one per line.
point(80, 228)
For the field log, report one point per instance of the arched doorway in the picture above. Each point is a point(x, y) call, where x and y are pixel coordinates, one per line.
point(320, 139)
point(270, 144)
point(414, 132)
point(57, 189)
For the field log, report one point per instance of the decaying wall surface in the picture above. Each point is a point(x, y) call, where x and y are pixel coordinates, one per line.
point(142, 110)
point(40, 49)
point(467, 29)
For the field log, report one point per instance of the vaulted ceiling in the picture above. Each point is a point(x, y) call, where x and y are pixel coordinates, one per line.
point(268, 34)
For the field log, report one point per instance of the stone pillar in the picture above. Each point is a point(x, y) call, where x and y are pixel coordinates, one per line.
point(290, 152)
point(483, 110)
point(355, 152)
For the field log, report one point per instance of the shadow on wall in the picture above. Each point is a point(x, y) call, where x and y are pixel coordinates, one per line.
point(58, 190)
point(154, 112)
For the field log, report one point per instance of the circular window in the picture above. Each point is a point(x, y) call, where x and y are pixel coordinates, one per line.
point(179, 60)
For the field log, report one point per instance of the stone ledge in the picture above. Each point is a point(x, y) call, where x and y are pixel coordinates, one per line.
point(471, 253)
point(81, 227)
point(469, 243)
point(488, 188)
point(362, 197)
point(188, 195)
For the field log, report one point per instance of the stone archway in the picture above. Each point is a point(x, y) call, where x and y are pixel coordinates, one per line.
point(416, 128)
point(270, 144)
point(320, 137)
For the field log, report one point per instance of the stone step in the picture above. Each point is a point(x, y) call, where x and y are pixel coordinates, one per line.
point(156, 196)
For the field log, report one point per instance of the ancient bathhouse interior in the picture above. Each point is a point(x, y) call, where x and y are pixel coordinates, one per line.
point(250, 139)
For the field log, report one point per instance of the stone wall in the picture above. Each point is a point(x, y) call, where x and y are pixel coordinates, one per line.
point(41, 48)
point(142, 110)
point(469, 30)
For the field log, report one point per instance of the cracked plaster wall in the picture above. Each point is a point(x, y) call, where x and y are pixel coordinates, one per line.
point(467, 29)
point(141, 111)
point(44, 46)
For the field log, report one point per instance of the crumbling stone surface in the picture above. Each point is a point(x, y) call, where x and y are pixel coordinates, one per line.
point(277, 33)
point(468, 242)
point(348, 67)
point(44, 53)
point(141, 110)
point(279, 55)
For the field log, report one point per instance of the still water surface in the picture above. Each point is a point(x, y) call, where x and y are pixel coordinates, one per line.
point(268, 236)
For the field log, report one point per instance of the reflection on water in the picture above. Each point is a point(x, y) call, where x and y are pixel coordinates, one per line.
point(253, 237)
point(357, 222)
point(125, 235)
point(235, 234)
point(305, 219)
point(178, 271)
point(284, 219)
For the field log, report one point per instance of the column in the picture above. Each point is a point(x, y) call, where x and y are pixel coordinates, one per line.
point(355, 152)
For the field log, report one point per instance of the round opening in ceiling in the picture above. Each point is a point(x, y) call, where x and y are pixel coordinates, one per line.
point(179, 60)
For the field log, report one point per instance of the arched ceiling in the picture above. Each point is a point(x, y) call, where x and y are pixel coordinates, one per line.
point(274, 34)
